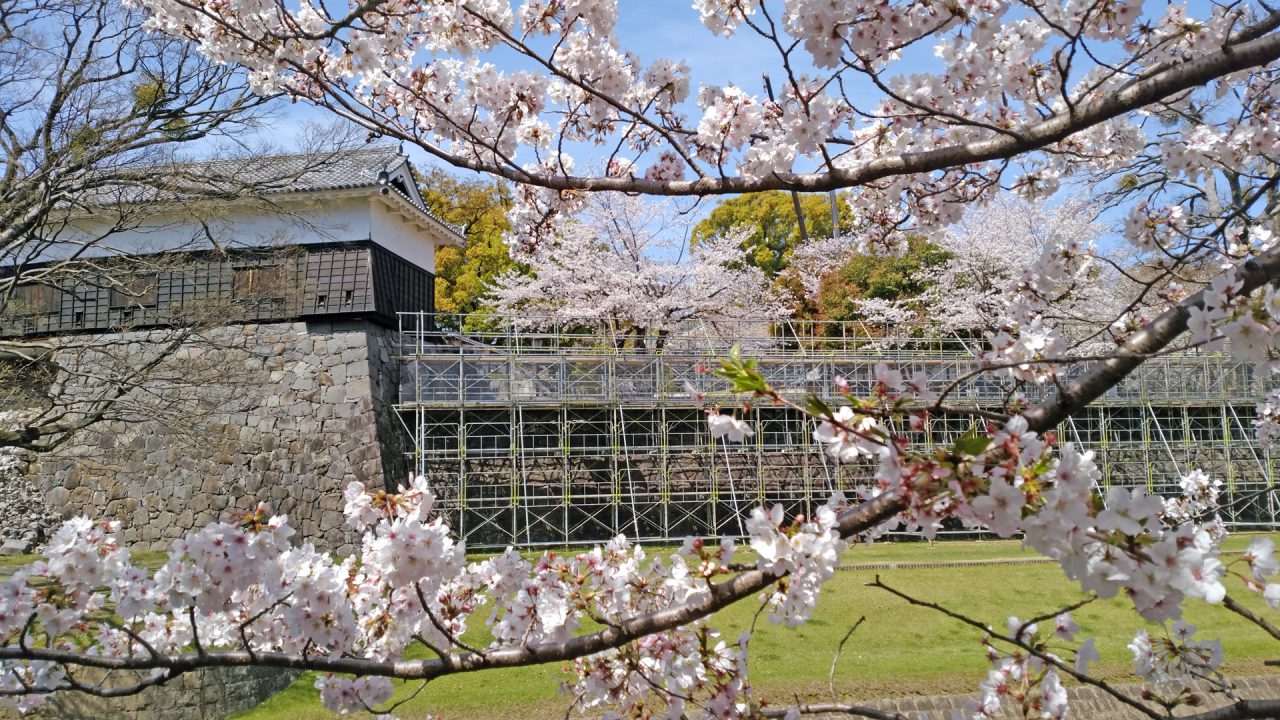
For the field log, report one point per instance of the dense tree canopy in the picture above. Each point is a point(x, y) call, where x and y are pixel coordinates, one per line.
point(768, 222)
point(892, 279)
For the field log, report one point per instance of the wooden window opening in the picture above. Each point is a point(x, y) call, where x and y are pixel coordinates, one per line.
point(139, 291)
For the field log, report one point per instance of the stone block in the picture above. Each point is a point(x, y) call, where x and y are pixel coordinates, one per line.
point(15, 546)
point(81, 496)
point(338, 376)
point(57, 496)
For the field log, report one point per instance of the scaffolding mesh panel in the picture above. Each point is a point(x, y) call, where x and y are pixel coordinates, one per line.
point(556, 438)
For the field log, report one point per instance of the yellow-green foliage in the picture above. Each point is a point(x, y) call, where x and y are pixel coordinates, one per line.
point(465, 274)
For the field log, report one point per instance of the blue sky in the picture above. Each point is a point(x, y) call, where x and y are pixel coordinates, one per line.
point(654, 30)
point(671, 29)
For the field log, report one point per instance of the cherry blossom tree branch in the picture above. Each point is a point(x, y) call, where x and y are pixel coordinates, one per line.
point(1234, 606)
point(1252, 47)
point(1151, 338)
point(720, 595)
point(1102, 685)
point(1162, 84)
point(1240, 710)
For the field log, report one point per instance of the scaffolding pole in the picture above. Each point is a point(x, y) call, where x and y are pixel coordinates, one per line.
point(630, 451)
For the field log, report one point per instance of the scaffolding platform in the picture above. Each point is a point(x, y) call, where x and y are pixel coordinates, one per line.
point(558, 437)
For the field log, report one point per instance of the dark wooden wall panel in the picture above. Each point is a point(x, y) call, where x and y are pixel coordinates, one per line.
point(401, 286)
point(359, 279)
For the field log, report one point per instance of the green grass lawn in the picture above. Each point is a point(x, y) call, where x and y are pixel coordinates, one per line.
point(899, 649)
point(9, 564)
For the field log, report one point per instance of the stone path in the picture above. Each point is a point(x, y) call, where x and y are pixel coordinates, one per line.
point(925, 565)
point(1087, 703)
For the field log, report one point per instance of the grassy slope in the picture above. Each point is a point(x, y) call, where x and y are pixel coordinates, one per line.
point(898, 650)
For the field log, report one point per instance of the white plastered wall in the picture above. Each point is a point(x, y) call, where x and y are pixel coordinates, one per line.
point(306, 220)
point(397, 233)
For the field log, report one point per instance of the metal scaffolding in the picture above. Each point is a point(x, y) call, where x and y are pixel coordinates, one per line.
point(559, 437)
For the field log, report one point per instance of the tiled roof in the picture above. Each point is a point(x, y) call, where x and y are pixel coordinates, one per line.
point(304, 172)
point(266, 175)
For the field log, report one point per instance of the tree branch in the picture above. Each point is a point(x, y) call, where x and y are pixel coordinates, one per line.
point(1152, 338)
point(1139, 93)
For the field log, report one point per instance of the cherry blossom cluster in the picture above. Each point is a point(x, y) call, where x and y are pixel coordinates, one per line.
point(729, 427)
point(808, 551)
point(848, 433)
point(1097, 544)
point(1170, 665)
point(1026, 348)
point(1198, 501)
point(689, 673)
point(345, 695)
point(1261, 562)
point(241, 584)
point(1024, 677)
point(1024, 308)
point(438, 73)
point(1009, 481)
point(1222, 155)
point(1151, 228)
point(1267, 424)
point(1248, 324)
point(611, 262)
point(1028, 276)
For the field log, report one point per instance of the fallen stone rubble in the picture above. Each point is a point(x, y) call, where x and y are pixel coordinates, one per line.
point(26, 520)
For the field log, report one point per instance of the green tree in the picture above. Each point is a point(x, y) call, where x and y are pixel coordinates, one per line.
point(770, 220)
point(464, 275)
point(865, 277)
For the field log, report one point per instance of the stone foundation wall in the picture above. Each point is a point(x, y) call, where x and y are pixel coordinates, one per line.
point(210, 694)
point(284, 413)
